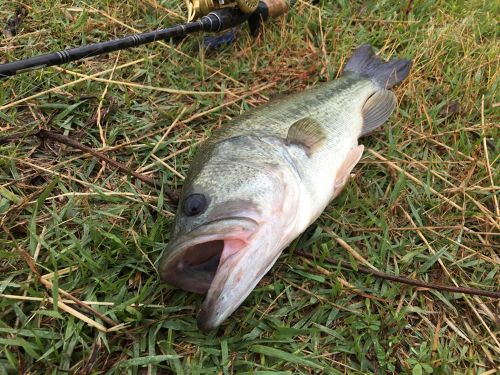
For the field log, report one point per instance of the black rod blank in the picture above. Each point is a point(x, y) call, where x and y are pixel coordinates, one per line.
point(215, 21)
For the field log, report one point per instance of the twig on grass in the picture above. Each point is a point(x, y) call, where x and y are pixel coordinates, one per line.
point(47, 134)
point(404, 280)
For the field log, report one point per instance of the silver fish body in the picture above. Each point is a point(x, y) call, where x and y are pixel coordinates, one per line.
point(259, 181)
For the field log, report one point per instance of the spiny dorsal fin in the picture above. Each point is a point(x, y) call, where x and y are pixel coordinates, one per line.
point(377, 110)
point(306, 132)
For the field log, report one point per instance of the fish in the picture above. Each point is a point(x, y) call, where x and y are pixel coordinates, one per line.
point(264, 177)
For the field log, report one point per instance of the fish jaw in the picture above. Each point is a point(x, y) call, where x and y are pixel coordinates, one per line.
point(238, 275)
point(225, 263)
point(192, 259)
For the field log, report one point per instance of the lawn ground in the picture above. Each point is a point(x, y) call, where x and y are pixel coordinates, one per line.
point(423, 201)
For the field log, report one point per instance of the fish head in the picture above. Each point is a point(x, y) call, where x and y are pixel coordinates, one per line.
point(230, 228)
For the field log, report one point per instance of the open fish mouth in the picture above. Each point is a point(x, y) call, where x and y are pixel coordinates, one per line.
point(192, 260)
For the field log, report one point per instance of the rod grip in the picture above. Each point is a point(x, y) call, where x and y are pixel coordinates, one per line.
point(276, 8)
point(265, 10)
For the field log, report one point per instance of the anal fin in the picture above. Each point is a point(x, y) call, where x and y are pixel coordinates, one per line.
point(346, 168)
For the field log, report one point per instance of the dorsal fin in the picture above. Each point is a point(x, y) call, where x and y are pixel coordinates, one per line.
point(306, 132)
point(377, 110)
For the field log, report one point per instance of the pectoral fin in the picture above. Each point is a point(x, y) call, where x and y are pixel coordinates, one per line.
point(377, 110)
point(346, 168)
point(308, 133)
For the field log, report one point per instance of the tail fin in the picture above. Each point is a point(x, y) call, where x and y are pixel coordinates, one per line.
point(385, 74)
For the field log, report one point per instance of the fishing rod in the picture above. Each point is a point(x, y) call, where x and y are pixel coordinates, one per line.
point(210, 15)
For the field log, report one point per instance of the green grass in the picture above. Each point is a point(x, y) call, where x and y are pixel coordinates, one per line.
point(62, 209)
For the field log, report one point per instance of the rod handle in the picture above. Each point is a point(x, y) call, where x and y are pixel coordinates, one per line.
point(265, 10)
point(276, 8)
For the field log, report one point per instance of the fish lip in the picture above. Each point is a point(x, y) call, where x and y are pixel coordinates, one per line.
point(219, 303)
point(221, 219)
point(192, 235)
point(205, 321)
point(169, 265)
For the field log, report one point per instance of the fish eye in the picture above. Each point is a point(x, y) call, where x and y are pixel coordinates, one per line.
point(194, 204)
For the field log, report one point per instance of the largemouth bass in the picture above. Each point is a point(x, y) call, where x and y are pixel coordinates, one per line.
point(264, 177)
